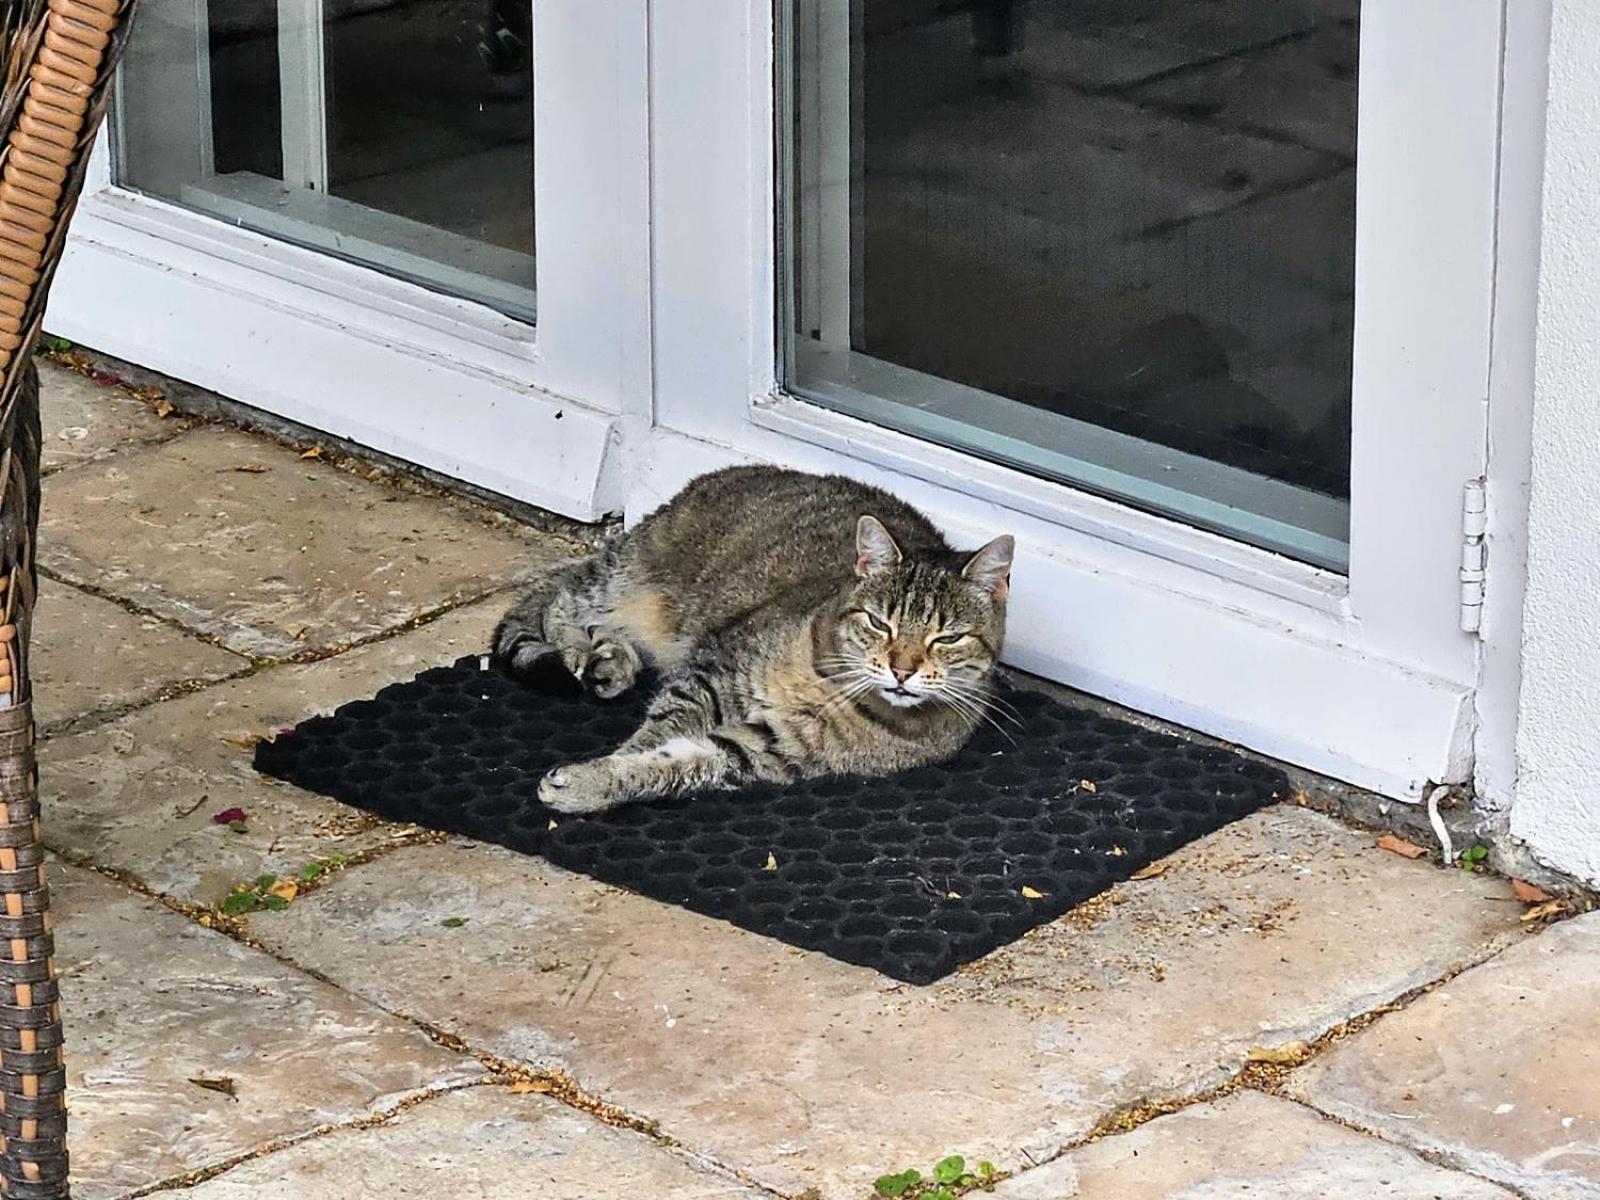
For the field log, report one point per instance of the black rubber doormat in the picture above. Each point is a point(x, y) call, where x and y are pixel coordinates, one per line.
point(913, 875)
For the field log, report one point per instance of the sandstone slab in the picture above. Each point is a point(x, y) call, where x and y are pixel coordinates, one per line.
point(240, 539)
point(800, 1072)
point(1245, 1145)
point(82, 421)
point(138, 794)
point(481, 1143)
point(154, 1002)
point(89, 655)
point(1494, 1071)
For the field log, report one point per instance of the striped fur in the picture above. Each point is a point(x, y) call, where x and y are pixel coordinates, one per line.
point(803, 625)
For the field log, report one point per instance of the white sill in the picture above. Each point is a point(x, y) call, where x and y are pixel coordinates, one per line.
point(1220, 557)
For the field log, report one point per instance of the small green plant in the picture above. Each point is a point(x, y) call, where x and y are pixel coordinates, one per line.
point(949, 1179)
point(269, 893)
point(54, 345)
point(1472, 860)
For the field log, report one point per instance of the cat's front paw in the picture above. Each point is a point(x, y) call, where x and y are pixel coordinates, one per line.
point(585, 787)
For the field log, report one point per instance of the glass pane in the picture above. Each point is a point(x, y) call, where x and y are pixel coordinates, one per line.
point(1110, 242)
point(395, 133)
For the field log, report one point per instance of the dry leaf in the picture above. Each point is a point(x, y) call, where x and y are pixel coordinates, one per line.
point(1029, 893)
point(314, 452)
point(1529, 894)
point(163, 408)
point(1279, 1056)
point(288, 889)
point(1088, 785)
point(245, 741)
point(552, 825)
point(1409, 1097)
point(1154, 870)
point(1555, 908)
point(218, 1083)
point(772, 862)
point(539, 1087)
point(1400, 846)
point(952, 895)
point(1117, 851)
point(252, 468)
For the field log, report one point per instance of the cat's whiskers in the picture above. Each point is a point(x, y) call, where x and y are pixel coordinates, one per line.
point(974, 706)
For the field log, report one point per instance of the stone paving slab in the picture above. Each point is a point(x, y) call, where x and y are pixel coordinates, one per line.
point(1245, 1145)
point(240, 539)
point(1494, 1071)
point(153, 1001)
point(481, 1143)
point(89, 655)
point(799, 1071)
point(137, 794)
point(83, 421)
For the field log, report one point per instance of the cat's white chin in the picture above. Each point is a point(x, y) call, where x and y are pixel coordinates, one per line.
point(900, 699)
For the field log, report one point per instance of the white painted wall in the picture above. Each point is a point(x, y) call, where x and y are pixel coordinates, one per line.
point(1557, 808)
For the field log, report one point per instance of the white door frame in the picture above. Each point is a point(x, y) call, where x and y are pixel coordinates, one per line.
point(447, 383)
point(1369, 679)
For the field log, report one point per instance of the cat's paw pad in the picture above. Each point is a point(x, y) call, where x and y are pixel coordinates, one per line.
point(577, 788)
point(611, 670)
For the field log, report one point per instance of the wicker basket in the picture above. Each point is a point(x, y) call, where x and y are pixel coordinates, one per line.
point(56, 57)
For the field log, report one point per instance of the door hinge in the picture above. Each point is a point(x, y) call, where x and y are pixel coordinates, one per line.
point(1474, 553)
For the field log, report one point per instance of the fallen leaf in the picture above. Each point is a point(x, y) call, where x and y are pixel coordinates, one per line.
point(1088, 785)
point(1408, 1097)
point(252, 468)
point(1118, 851)
point(285, 889)
point(538, 1087)
point(453, 922)
point(1153, 871)
point(314, 452)
point(217, 1083)
point(1555, 908)
point(238, 827)
point(229, 815)
point(1400, 846)
point(552, 825)
point(245, 741)
point(163, 408)
point(1529, 894)
point(1278, 1056)
point(952, 895)
point(772, 862)
point(1029, 893)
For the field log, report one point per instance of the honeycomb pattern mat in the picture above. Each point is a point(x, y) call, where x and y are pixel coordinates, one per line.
point(912, 875)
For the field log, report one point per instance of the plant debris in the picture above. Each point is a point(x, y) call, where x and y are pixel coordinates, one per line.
point(1396, 845)
point(1287, 1055)
point(1154, 871)
point(1528, 894)
point(224, 1084)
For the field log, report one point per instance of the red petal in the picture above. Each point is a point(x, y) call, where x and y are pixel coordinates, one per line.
point(229, 815)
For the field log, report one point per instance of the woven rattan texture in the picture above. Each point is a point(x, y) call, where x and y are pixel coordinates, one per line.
point(912, 875)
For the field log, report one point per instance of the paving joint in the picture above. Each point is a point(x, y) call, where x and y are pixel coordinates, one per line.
point(1435, 1157)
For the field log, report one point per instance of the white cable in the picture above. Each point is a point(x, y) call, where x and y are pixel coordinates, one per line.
point(1445, 845)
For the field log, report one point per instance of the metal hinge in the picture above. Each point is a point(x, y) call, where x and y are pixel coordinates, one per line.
point(1474, 554)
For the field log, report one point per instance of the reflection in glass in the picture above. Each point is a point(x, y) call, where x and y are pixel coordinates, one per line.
point(1108, 241)
point(395, 133)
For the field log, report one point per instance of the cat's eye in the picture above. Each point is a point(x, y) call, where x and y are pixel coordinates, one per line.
point(876, 622)
point(949, 639)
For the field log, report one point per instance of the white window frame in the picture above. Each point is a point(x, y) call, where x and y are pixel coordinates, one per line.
point(536, 414)
point(1368, 677)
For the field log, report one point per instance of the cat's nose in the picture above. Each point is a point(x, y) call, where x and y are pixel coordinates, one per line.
point(901, 673)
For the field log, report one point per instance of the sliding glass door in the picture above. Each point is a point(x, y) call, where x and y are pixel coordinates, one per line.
point(1106, 243)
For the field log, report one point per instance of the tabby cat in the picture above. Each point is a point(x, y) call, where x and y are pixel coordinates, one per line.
point(803, 625)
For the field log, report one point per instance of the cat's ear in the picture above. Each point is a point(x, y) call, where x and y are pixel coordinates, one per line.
point(875, 548)
point(990, 568)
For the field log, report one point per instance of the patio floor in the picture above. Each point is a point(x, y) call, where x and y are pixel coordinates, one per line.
point(1284, 1010)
